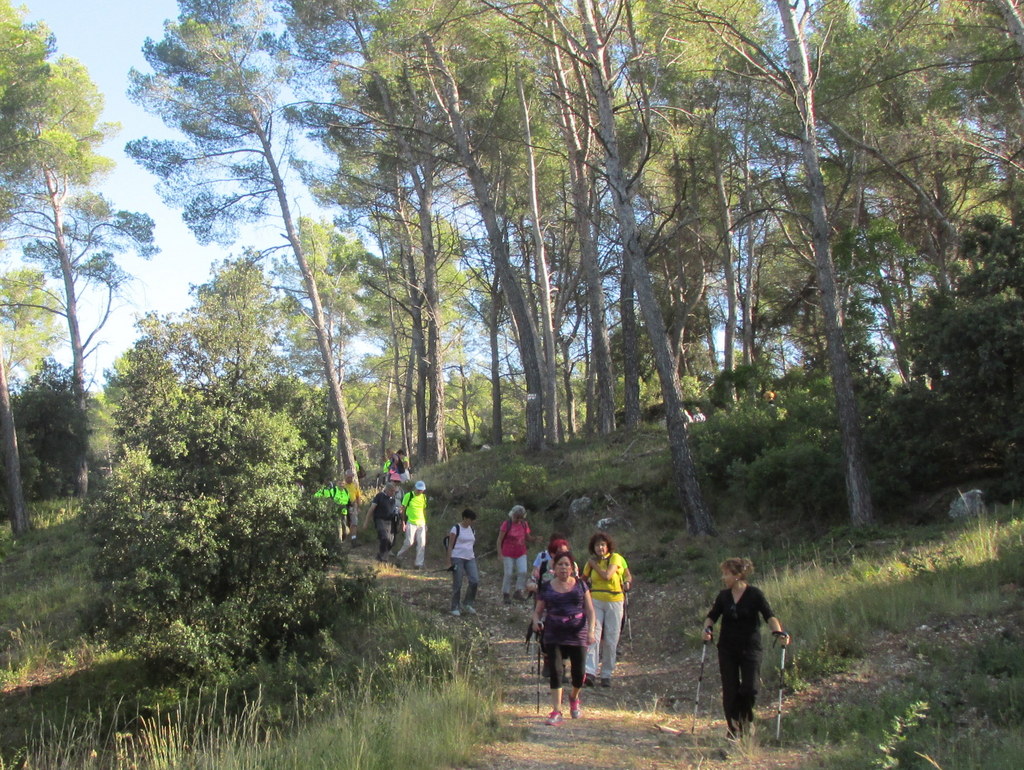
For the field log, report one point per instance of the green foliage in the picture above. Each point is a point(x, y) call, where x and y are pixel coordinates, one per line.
point(969, 343)
point(211, 554)
point(780, 456)
point(896, 735)
point(52, 432)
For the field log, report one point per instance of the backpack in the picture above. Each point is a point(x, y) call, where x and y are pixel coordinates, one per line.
point(447, 538)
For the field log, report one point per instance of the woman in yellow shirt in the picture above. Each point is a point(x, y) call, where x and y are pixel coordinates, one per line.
point(609, 579)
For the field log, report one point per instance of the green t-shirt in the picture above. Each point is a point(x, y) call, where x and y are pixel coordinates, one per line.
point(415, 507)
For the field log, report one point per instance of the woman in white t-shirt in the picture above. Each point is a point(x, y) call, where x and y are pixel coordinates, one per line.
point(462, 560)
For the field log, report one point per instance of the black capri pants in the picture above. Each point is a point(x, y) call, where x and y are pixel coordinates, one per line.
point(557, 653)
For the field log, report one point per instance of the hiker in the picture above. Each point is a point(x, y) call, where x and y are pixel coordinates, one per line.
point(341, 497)
point(350, 512)
point(739, 643)
point(414, 506)
point(399, 467)
point(609, 578)
point(383, 512)
point(462, 561)
point(568, 628)
point(513, 535)
point(543, 563)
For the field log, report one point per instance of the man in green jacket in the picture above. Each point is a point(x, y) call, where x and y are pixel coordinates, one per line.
point(414, 506)
point(341, 496)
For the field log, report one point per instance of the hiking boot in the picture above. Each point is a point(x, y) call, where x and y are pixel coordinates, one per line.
point(518, 596)
point(505, 598)
point(588, 680)
point(554, 718)
point(574, 708)
point(456, 613)
point(606, 681)
point(469, 609)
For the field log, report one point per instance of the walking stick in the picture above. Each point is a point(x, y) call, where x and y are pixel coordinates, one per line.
point(538, 669)
point(626, 616)
point(778, 713)
point(700, 678)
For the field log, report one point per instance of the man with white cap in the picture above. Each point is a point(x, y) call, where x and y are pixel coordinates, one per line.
point(414, 506)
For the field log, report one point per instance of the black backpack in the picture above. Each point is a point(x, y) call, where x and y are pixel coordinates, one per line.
point(447, 538)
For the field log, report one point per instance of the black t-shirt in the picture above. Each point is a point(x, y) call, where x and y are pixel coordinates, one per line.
point(741, 621)
point(384, 507)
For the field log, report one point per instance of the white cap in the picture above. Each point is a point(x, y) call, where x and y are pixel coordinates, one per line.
point(421, 486)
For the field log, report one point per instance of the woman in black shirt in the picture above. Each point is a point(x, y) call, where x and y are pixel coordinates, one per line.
point(741, 607)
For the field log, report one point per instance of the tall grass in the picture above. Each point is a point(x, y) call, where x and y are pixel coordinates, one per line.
point(968, 692)
point(423, 723)
point(832, 610)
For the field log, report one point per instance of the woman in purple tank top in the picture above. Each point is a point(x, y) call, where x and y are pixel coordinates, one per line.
point(568, 630)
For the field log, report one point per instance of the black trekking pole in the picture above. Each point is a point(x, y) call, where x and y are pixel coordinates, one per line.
point(700, 678)
point(539, 666)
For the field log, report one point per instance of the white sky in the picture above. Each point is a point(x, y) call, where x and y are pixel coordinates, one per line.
point(107, 36)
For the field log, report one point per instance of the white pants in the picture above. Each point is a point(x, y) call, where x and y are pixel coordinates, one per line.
point(414, 533)
point(606, 638)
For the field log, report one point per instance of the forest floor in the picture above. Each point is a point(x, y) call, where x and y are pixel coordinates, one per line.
point(643, 720)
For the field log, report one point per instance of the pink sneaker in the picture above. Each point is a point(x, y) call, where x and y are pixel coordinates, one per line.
point(554, 718)
point(574, 709)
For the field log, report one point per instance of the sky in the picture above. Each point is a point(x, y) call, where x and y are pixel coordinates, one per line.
point(107, 37)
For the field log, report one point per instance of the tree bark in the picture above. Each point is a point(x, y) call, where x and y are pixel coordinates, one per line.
point(16, 509)
point(494, 318)
point(857, 490)
point(56, 200)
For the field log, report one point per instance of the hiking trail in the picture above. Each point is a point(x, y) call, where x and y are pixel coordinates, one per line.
point(631, 724)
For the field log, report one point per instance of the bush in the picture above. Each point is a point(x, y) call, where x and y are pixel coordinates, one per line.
point(199, 585)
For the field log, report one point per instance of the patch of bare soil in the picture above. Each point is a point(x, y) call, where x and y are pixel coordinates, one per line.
point(644, 719)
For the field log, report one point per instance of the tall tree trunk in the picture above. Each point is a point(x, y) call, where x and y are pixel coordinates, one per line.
point(529, 349)
point(725, 226)
point(698, 517)
point(417, 395)
point(16, 509)
point(494, 319)
point(570, 397)
point(857, 491)
point(435, 439)
point(431, 421)
point(332, 373)
point(630, 350)
point(580, 183)
point(56, 200)
point(543, 278)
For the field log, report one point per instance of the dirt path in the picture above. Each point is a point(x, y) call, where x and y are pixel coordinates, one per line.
point(625, 726)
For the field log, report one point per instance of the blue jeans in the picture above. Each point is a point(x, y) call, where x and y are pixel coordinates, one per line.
point(515, 569)
point(467, 566)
